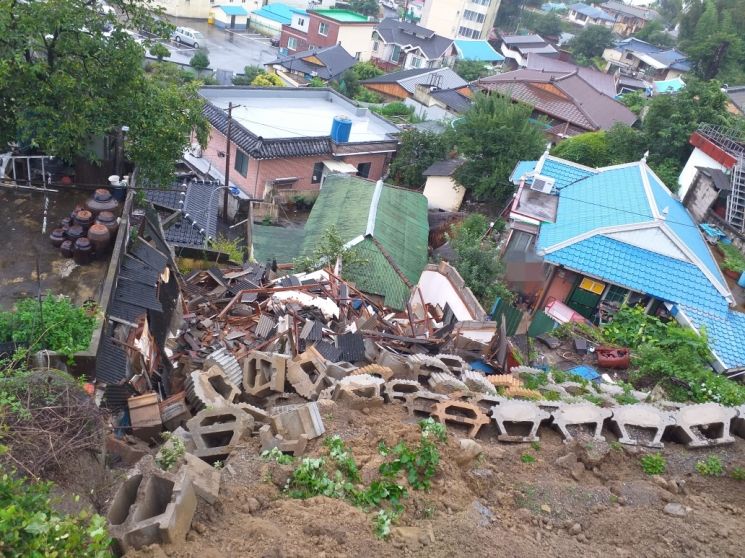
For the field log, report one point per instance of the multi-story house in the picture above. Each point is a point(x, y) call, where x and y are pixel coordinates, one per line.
point(584, 14)
point(400, 45)
point(629, 19)
point(324, 28)
point(460, 19)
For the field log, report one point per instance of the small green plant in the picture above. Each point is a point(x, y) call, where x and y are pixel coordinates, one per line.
point(738, 473)
point(616, 446)
point(218, 464)
point(626, 398)
point(30, 526)
point(171, 452)
point(594, 399)
point(536, 446)
point(653, 464)
point(431, 428)
point(420, 463)
point(276, 455)
point(231, 248)
point(344, 460)
point(311, 479)
point(382, 523)
point(527, 458)
point(710, 467)
point(534, 381)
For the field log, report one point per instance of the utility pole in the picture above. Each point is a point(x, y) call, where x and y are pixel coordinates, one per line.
point(227, 165)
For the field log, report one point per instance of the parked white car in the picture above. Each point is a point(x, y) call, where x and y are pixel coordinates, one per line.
point(188, 36)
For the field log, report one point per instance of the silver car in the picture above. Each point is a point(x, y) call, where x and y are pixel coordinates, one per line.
point(188, 36)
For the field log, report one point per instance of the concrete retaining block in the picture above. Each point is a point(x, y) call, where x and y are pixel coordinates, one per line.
point(445, 383)
point(227, 363)
point(151, 506)
point(487, 401)
point(397, 390)
point(264, 373)
point(705, 424)
point(217, 432)
point(297, 421)
point(454, 363)
point(210, 388)
point(375, 370)
point(205, 477)
point(461, 413)
point(581, 414)
point(339, 370)
point(422, 402)
point(518, 414)
point(269, 441)
point(640, 417)
point(738, 424)
point(359, 391)
point(259, 415)
point(307, 374)
point(423, 366)
point(476, 381)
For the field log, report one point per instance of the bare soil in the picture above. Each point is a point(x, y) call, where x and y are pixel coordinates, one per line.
point(497, 505)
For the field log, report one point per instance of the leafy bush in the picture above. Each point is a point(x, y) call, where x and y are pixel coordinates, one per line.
point(58, 325)
point(276, 455)
point(738, 473)
point(160, 51)
point(30, 527)
point(710, 467)
point(232, 248)
point(344, 460)
point(171, 452)
point(268, 80)
point(733, 259)
point(249, 74)
point(534, 381)
point(199, 61)
point(653, 464)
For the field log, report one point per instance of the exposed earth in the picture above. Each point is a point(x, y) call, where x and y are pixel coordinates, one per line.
point(495, 505)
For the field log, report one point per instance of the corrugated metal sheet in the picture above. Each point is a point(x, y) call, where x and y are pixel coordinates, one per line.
point(148, 254)
point(111, 362)
point(137, 294)
point(328, 351)
point(352, 347)
point(265, 327)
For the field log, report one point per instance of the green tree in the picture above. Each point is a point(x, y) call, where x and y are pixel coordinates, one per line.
point(199, 61)
point(366, 70)
point(654, 33)
point(348, 84)
point(326, 253)
point(417, 151)
point(548, 25)
point(63, 82)
point(590, 149)
point(365, 7)
point(249, 74)
point(316, 82)
point(160, 51)
point(493, 135)
point(471, 70)
point(591, 42)
point(478, 260)
point(268, 80)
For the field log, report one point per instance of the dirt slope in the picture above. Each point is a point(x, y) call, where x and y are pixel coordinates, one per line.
point(495, 506)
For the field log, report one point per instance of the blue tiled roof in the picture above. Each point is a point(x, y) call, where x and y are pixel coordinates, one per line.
point(522, 168)
point(477, 50)
point(234, 10)
point(609, 198)
point(683, 226)
point(564, 172)
point(641, 270)
point(281, 13)
point(591, 11)
point(726, 333)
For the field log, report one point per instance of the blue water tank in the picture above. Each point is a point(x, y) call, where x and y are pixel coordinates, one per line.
point(341, 127)
point(741, 281)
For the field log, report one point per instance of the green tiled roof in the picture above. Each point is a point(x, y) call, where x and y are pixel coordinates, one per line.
point(282, 244)
point(342, 16)
point(400, 233)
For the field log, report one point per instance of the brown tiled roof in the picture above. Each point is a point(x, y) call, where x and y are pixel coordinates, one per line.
point(605, 83)
point(574, 101)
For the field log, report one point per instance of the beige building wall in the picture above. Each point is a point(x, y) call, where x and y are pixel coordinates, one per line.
point(195, 9)
point(443, 193)
point(357, 39)
point(443, 16)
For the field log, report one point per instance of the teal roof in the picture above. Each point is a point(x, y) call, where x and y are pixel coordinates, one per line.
point(521, 169)
point(477, 50)
point(669, 86)
point(622, 225)
point(234, 10)
point(276, 243)
point(281, 13)
point(342, 16)
point(390, 230)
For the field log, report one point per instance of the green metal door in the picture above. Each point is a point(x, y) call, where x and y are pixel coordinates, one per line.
point(582, 300)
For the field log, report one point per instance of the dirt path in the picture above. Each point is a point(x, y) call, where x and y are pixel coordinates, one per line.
point(497, 506)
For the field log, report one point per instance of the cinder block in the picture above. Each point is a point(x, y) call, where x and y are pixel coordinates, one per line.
point(217, 432)
point(300, 420)
point(706, 424)
point(455, 364)
point(397, 390)
point(398, 364)
point(422, 402)
point(642, 418)
point(269, 441)
point(264, 373)
point(461, 413)
point(578, 415)
point(205, 477)
point(259, 415)
point(307, 374)
point(518, 414)
point(339, 370)
point(423, 366)
point(486, 402)
point(210, 389)
point(359, 391)
point(476, 381)
point(445, 383)
point(375, 370)
point(738, 424)
point(225, 360)
point(151, 506)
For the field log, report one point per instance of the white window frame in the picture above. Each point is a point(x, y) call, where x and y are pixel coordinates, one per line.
point(321, 26)
point(291, 43)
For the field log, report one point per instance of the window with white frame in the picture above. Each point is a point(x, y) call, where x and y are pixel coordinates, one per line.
point(416, 62)
point(291, 43)
point(301, 21)
point(323, 28)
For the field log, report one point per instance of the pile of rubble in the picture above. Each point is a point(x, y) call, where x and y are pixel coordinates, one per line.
point(260, 358)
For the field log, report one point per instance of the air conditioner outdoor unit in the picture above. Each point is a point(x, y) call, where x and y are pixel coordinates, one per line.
point(542, 184)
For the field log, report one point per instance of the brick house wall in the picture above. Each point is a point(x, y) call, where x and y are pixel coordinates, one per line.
point(318, 40)
point(263, 171)
point(300, 36)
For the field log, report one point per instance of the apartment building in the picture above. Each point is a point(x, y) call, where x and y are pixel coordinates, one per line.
point(460, 19)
